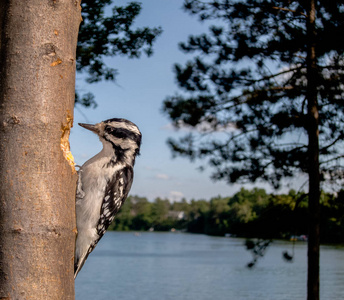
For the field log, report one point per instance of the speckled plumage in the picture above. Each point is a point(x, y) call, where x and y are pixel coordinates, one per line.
point(104, 183)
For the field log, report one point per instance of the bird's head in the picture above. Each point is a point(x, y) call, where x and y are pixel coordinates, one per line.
point(123, 135)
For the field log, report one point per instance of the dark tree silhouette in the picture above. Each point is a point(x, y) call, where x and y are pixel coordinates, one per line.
point(107, 31)
point(264, 96)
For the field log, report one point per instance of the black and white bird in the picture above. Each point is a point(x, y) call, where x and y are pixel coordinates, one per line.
point(104, 183)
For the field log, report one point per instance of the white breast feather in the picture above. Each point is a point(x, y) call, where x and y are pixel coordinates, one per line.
point(92, 176)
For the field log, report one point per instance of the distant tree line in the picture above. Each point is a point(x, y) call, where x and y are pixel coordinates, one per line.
point(248, 213)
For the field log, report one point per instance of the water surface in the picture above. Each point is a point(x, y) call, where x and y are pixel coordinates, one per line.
point(181, 266)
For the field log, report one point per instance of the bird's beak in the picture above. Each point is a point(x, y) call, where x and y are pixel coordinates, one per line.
point(91, 127)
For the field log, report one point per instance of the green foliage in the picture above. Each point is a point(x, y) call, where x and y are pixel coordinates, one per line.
point(248, 213)
point(106, 33)
point(332, 217)
point(246, 86)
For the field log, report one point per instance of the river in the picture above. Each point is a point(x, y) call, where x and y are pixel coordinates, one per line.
point(181, 266)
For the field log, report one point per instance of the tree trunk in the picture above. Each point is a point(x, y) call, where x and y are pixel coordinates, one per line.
point(313, 155)
point(37, 185)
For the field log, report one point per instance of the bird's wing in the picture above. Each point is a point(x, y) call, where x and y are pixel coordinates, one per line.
point(116, 192)
point(79, 191)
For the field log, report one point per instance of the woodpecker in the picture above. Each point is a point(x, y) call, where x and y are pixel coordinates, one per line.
point(104, 182)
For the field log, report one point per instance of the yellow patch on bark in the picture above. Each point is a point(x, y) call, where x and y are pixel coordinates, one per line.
point(65, 147)
point(56, 62)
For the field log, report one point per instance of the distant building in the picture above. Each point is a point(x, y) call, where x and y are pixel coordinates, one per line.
point(176, 215)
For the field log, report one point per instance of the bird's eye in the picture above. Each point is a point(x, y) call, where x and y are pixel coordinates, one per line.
point(109, 129)
point(116, 132)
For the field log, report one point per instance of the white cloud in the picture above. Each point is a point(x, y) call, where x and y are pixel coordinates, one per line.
point(162, 176)
point(176, 196)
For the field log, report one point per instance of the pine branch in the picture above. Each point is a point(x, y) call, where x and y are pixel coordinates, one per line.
point(289, 10)
point(332, 159)
point(340, 137)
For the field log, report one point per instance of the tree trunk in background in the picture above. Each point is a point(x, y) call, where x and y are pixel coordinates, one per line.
point(37, 185)
point(313, 155)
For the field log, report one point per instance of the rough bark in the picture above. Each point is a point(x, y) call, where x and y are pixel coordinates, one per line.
point(37, 184)
point(313, 151)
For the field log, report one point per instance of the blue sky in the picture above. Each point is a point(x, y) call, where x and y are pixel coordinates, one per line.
point(137, 95)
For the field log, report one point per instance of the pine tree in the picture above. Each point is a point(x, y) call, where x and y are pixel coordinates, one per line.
point(264, 97)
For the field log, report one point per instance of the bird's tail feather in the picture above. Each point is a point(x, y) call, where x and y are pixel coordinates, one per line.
point(79, 264)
